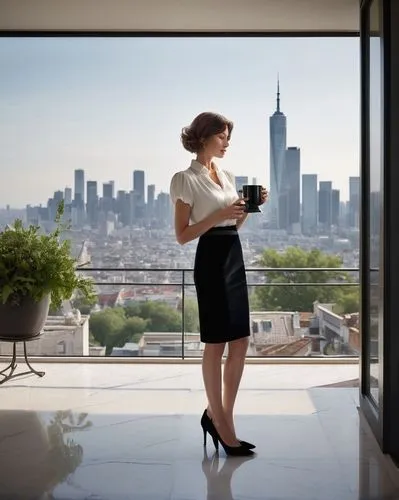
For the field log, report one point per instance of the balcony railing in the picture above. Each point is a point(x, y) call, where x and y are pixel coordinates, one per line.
point(291, 315)
point(315, 331)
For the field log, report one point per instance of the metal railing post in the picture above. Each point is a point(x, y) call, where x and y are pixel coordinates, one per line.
point(183, 326)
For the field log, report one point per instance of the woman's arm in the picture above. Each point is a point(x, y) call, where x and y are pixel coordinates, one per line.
point(186, 232)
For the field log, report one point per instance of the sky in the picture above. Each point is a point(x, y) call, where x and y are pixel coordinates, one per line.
point(114, 105)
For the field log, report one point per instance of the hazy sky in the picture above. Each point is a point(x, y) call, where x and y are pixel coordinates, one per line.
point(112, 105)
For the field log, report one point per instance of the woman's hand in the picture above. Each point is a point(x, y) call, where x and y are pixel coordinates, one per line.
point(265, 195)
point(234, 211)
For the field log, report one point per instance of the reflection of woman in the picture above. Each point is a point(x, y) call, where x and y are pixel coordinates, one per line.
point(219, 481)
point(207, 206)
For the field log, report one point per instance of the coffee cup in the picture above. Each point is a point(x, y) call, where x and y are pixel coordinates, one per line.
point(252, 194)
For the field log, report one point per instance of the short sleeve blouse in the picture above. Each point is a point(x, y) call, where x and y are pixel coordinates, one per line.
point(195, 187)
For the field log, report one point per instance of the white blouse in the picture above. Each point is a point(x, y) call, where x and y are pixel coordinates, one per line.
point(195, 187)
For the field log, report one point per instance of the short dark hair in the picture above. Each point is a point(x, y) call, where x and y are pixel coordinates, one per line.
point(203, 126)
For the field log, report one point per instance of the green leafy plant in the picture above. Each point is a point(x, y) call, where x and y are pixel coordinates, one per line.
point(35, 265)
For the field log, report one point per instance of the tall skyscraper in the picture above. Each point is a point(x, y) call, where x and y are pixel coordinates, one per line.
point(278, 144)
point(150, 200)
point(309, 204)
point(58, 196)
point(335, 207)
point(92, 203)
point(292, 187)
point(107, 202)
point(354, 201)
point(79, 187)
point(164, 209)
point(108, 190)
point(139, 195)
point(112, 183)
point(139, 183)
point(325, 204)
point(68, 196)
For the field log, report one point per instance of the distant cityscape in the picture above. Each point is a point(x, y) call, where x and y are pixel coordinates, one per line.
point(104, 209)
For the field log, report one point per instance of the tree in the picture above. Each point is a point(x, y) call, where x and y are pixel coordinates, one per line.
point(161, 317)
point(132, 330)
point(191, 317)
point(84, 304)
point(105, 326)
point(301, 297)
point(111, 328)
point(349, 301)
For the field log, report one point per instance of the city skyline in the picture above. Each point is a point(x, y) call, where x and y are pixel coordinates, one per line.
point(112, 106)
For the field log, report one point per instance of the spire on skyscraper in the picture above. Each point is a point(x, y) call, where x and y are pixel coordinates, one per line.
point(278, 93)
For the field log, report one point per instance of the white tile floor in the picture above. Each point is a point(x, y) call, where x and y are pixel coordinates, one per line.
point(91, 431)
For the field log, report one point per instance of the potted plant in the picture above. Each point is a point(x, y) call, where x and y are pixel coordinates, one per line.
point(36, 270)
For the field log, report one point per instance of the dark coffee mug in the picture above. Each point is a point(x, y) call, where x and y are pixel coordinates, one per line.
point(253, 197)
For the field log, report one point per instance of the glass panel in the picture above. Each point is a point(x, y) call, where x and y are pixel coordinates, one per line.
point(305, 321)
point(134, 313)
point(375, 200)
point(292, 320)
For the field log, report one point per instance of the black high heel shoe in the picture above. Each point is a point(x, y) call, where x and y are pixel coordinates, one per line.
point(234, 451)
point(208, 427)
point(205, 420)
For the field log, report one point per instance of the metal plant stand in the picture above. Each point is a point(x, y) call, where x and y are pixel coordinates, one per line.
point(13, 364)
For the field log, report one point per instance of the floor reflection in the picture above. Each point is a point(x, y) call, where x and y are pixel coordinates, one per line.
point(36, 452)
point(218, 479)
point(73, 455)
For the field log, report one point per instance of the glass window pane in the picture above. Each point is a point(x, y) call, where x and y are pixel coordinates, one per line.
point(375, 199)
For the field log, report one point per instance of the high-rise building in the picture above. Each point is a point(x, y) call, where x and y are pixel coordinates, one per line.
point(309, 204)
point(139, 183)
point(108, 190)
point(112, 183)
point(92, 203)
point(150, 200)
point(124, 207)
point(78, 205)
point(335, 207)
point(354, 201)
point(107, 202)
point(58, 196)
point(79, 187)
point(278, 144)
point(163, 209)
point(68, 196)
point(292, 187)
point(139, 195)
point(325, 204)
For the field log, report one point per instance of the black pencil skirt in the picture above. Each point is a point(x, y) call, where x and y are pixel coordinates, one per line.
point(221, 285)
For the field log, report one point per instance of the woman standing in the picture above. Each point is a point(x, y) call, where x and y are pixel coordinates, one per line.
point(207, 206)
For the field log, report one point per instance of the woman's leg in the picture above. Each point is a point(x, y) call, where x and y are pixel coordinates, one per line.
point(212, 375)
point(232, 374)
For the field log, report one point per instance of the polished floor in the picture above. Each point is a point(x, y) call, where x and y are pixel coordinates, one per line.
point(91, 431)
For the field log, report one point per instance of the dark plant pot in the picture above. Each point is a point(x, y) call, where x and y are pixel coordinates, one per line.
point(25, 320)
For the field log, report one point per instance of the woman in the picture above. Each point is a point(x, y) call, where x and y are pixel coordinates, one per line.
point(207, 206)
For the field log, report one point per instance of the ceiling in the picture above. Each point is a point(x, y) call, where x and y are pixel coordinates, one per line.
point(181, 15)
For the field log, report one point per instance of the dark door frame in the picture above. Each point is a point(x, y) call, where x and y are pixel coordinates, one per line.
point(367, 404)
point(383, 416)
